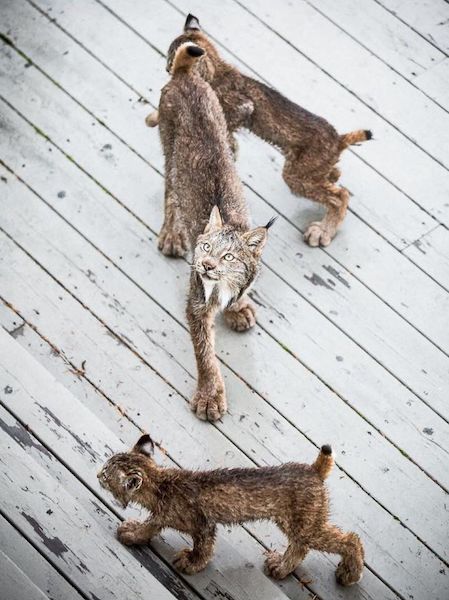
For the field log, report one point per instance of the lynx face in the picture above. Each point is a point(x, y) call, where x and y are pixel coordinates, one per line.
point(124, 474)
point(227, 260)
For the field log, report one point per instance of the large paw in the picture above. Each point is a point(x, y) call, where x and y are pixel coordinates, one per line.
point(185, 563)
point(348, 574)
point(209, 403)
point(130, 532)
point(318, 234)
point(242, 319)
point(173, 242)
point(274, 565)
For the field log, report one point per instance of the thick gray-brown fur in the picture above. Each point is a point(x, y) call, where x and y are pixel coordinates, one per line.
point(205, 212)
point(292, 495)
point(311, 146)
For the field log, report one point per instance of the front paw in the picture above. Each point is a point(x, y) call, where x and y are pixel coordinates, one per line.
point(209, 403)
point(130, 532)
point(173, 242)
point(185, 562)
point(274, 565)
point(242, 319)
point(318, 234)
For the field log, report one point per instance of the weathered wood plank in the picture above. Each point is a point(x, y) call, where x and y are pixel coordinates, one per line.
point(34, 566)
point(359, 71)
point(377, 202)
point(40, 173)
point(374, 267)
point(78, 438)
point(387, 37)
point(267, 443)
point(431, 252)
point(101, 220)
point(248, 548)
point(229, 24)
point(15, 584)
point(435, 83)
point(372, 313)
point(428, 17)
point(52, 518)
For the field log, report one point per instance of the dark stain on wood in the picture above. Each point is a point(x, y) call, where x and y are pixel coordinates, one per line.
point(218, 592)
point(20, 435)
point(54, 544)
point(317, 280)
point(337, 275)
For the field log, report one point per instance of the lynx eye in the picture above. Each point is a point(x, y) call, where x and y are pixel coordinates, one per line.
point(229, 256)
point(206, 247)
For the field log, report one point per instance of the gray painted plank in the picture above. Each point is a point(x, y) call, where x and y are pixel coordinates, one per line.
point(79, 439)
point(229, 23)
point(298, 378)
point(34, 152)
point(428, 17)
point(249, 551)
point(359, 71)
point(435, 83)
point(376, 201)
point(387, 37)
point(374, 274)
point(40, 572)
point(431, 252)
point(388, 329)
point(37, 502)
point(234, 425)
point(15, 584)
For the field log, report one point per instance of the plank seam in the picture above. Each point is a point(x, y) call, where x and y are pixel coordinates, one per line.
point(396, 16)
point(126, 343)
point(125, 415)
point(359, 43)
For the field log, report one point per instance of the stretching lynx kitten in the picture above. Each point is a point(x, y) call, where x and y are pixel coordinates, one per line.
point(205, 209)
point(292, 495)
point(310, 145)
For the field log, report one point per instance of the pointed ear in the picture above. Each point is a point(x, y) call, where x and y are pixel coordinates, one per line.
point(256, 239)
point(215, 221)
point(192, 23)
point(133, 482)
point(145, 445)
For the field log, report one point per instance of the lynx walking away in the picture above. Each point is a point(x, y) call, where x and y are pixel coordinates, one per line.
point(200, 176)
point(310, 145)
point(292, 495)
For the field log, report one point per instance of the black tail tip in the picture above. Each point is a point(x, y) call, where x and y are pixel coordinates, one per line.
point(195, 51)
point(369, 134)
point(271, 222)
point(326, 449)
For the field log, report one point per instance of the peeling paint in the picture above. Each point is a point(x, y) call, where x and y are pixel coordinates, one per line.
point(332, 271)
point(317, 280)
point(20, 435)
point(54, 544)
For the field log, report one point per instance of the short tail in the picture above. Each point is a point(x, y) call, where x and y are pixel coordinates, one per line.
point(324, 463)
point(186, 56)
point(355, 137)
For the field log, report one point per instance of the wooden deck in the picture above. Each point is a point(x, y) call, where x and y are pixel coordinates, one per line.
point(352, 342)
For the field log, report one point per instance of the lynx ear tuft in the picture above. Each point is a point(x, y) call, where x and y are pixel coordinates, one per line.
point(192, 23)
point(256, 239)
point(215, 221)
point(145, 445)
point(271, 222)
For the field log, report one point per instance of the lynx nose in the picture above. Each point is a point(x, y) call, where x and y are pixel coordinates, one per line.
point(209, 263)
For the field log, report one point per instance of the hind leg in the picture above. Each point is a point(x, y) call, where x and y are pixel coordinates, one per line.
point(279, 565)
point(241, 315)
point(333, 540)
point(318, 186)
point(336, 199)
